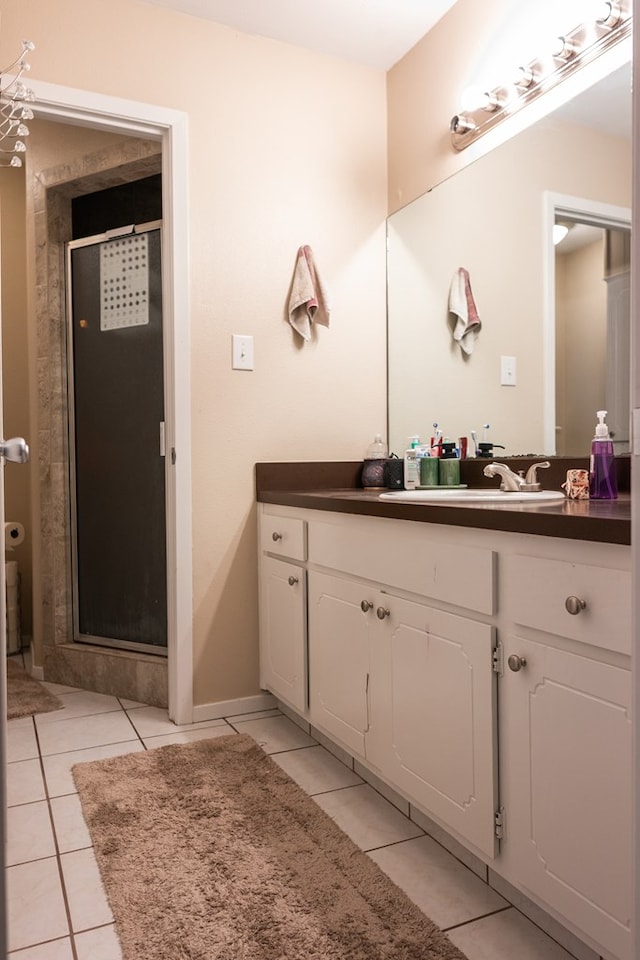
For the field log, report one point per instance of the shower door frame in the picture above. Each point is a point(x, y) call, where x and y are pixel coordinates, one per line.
point(78, 636)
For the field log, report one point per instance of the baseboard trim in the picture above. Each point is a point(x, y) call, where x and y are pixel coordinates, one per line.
point(230, 708)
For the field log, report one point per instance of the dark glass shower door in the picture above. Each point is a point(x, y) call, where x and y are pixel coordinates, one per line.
point(116, 376)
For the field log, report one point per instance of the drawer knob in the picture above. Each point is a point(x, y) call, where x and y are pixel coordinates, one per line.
point(366, 605)
point(575, 605)
point(382, 612)
point(516, 663)
point(276, 536)
point(292, 581)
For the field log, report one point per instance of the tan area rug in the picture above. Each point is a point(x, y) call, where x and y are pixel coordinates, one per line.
point(26, 695)
point(209, 851)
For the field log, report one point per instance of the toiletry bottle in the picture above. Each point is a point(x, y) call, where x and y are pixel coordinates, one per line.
point(603, 480)
point(449, 470)
point(411, 476)
point(374, 465)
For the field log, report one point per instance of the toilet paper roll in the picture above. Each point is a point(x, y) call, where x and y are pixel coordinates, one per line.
point(13, 535)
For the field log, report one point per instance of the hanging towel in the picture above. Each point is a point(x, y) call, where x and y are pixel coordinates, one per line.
point(462, 305)
point(309, 300)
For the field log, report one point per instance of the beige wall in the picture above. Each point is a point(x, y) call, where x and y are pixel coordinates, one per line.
point(286, 147)
point(15, 370)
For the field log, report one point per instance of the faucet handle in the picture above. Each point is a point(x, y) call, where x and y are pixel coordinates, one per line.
point(531, 482)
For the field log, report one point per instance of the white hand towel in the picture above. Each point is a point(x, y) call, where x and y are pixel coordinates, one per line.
point(462, 305)
point(308, 300)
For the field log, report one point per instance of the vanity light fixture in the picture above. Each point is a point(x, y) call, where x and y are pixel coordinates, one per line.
point(563, 49)
point(609, 13)
point(611, 23)
point(14, 97)
point(524, 78)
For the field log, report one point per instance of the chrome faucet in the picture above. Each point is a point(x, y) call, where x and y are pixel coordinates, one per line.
point(516, 482)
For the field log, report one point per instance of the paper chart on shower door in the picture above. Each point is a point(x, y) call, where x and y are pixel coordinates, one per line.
point(124, 283)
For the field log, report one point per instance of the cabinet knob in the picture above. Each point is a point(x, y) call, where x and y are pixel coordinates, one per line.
point(382, 612)
point(516, 663)
point(575, 605)
point(276, 536)
point(366, 605)
point(292, 581)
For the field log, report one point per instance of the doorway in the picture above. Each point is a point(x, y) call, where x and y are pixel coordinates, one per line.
point(50, 191)
point(116, 424)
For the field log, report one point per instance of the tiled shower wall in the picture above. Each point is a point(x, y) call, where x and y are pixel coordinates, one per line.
point(135, 676)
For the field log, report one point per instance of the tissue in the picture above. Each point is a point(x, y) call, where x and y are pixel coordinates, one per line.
point(13, 535)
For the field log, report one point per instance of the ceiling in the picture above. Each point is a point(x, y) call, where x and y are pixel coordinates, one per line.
point(376, 33)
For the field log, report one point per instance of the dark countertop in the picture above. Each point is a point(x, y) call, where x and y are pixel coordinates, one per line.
point(335, 487)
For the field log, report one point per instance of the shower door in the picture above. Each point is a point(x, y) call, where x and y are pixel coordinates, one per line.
point(116, 418)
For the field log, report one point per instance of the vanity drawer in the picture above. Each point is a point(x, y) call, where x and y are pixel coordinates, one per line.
point(537, 590)
point(408, 557)
point(283, 536)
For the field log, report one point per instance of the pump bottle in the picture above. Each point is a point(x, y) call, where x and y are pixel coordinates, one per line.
point(603, 481)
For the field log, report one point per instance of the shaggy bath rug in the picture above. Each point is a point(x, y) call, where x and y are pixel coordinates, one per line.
point(209, 851)
point(26, 695)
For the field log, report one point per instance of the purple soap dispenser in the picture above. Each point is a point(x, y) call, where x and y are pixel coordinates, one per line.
point(603, 481)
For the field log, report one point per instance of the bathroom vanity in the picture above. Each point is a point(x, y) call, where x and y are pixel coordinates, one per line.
point(479, 668)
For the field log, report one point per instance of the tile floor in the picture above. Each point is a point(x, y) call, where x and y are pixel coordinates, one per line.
point(57, 907)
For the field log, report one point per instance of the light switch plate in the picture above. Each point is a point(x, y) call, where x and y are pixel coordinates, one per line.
point(241, 352)
point(508, 371)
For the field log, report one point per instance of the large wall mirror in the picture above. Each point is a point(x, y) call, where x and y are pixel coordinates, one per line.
point(558, 315)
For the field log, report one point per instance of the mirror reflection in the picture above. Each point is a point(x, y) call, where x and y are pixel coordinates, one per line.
point(554, 319)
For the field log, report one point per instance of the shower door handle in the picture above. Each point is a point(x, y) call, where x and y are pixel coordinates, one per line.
point(15, 450)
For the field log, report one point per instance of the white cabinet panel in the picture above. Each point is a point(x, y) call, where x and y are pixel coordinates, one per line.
point(283, 631)
point(339, 658)
point(567, 756)
point(433, 715)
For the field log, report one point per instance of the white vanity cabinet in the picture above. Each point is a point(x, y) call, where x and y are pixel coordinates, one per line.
point(566, 741)
point(411, 690)
point(400, 683)
point(283, 609)
point(485, 676)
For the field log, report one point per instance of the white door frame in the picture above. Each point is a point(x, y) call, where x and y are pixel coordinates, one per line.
point(591, 211)
point(85, 108)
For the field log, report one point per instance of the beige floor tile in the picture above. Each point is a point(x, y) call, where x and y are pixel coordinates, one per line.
point(83, 732)
point(275, 734)
point(100, 944)
point(365, 816)
point(316, 770)
point(80, 703)
point(54, 950)
point(21, 740)
point(29, 833)
point(439, 884)
point(69, 825)
point(24, 782)
point(506, 936)
point(35, 894)
point(59, 688)
point(57, 768)
point(88, 905)
point(154, 722)
point(187, 736)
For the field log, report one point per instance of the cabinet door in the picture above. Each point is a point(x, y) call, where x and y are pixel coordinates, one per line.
point(283, 631)
point(433, 715)
point(339, 657)
point(567, 769)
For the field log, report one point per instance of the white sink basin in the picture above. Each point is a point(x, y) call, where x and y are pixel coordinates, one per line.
point(484, 495)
